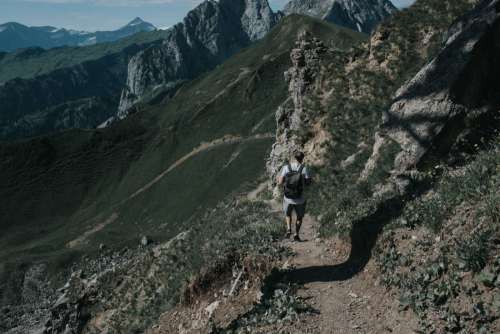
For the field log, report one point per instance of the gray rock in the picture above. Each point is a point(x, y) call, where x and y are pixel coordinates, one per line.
point(441, 102)
point(292, 115)
point(211, 33)
point(88, 95)
point(145, 241)
point(360, 15)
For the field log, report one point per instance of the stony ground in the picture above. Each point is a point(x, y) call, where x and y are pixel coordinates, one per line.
point(343, 301)
point(339, 298)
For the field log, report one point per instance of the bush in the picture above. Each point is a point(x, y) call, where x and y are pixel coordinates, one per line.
point(474, 251)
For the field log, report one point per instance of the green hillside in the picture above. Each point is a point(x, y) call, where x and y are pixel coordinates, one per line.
point(32, 62)
point(66, 194)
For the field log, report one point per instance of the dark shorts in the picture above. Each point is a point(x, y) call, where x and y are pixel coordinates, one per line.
point(300, 209)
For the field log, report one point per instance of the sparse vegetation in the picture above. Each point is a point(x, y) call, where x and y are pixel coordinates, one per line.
point(459, 230)
point(282, 307)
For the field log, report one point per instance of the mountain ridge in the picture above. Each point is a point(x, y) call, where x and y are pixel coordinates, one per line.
point(15, 35)
point(212, 32)
point(360, 15)
point(154, 72)
point(185, 53)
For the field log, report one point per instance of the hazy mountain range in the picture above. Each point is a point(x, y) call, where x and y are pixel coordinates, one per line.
point(14, 35)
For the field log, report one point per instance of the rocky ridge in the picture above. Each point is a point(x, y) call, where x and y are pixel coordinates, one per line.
point(360, 15)
point(293, 115)
point(82, 96)
point(210, 34)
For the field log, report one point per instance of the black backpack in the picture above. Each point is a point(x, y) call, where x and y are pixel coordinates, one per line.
point(293, 183)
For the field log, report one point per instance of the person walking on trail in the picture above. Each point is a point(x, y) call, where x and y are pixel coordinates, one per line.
point(294, 177)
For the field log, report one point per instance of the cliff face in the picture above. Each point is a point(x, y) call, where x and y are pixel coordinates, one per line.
point(360, 15)
point(294, 116)
point(450, 98)
point(211, 33)
point(337, 99)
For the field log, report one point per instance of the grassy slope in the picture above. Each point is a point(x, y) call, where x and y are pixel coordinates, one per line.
point(54, 189)
point(32, 62)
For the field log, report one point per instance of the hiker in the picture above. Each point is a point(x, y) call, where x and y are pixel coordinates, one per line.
point(294, 177)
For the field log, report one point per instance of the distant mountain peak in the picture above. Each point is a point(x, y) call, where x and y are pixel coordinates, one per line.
point(136, 21)
point(15, 36)
point(209, 34)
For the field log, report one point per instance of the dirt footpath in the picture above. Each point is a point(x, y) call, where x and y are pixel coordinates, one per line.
point(339, 285)
point(346, 301)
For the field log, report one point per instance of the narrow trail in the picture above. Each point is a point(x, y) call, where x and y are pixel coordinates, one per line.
point(344, 298)
point(345, 301)
point(226, 140)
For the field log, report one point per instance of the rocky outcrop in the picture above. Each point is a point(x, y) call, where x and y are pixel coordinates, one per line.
point(100, 294)
point(293, 117)
point(449, 97)
point(360, 15)
point(210, 34)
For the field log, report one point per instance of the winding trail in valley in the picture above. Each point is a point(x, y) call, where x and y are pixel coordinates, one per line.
point(203, 147)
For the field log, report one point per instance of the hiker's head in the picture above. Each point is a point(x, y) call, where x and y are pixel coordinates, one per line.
point(299, 156)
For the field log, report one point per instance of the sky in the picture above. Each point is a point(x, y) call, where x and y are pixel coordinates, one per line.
point(91, 15)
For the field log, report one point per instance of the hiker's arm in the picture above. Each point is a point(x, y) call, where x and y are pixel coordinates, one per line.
point(308, 181)
point(307, 177)
point(280, 178)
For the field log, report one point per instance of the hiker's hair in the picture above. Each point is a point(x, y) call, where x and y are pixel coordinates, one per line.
point(299, 156)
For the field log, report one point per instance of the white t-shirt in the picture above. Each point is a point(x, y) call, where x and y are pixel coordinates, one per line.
point(305, 172)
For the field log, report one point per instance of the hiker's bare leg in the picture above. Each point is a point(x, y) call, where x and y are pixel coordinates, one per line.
point(288, 221)
point(298, 225)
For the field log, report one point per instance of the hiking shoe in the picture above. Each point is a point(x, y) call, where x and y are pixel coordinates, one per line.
point(288, 234)
point(296, 238)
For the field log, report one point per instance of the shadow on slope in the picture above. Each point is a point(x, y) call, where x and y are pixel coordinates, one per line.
point(364, 235)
